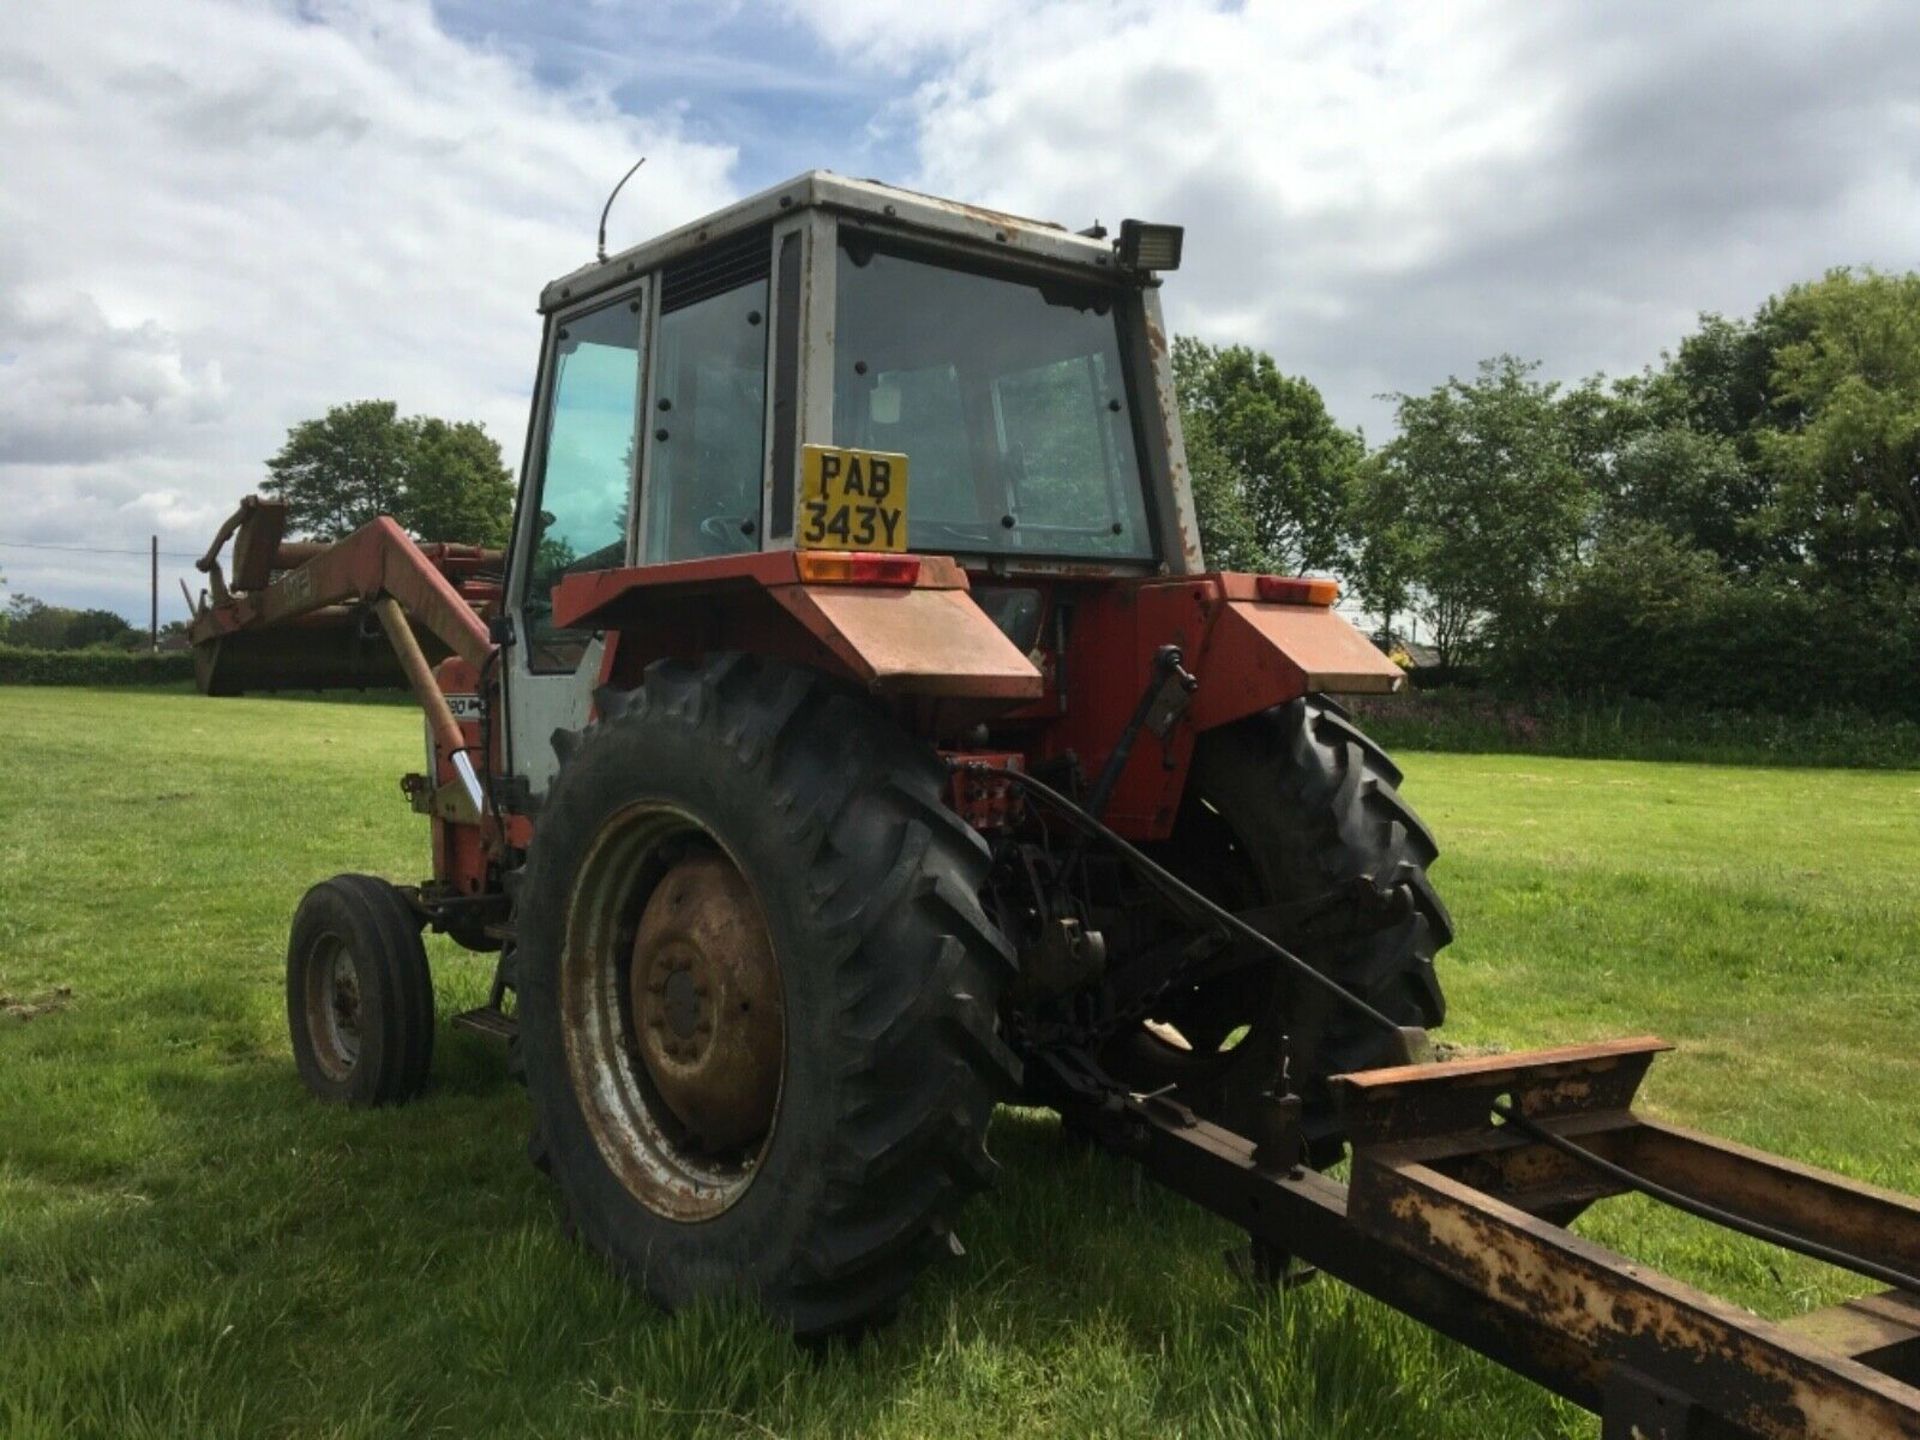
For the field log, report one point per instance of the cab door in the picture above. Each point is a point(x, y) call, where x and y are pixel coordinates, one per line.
point(575, 515)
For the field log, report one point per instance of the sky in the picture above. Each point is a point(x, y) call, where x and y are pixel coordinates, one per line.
point(219, 218)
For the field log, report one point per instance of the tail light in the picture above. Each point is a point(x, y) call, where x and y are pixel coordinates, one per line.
point(836, 567)
point(1296, 590)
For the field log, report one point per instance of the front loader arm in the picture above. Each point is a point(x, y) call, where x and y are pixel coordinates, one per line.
point(377, 559)
point(312, 596)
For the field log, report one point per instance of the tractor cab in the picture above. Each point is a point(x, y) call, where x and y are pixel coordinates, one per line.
point(837, 365)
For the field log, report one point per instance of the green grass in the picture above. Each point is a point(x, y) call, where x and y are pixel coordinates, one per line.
point(189, 1246)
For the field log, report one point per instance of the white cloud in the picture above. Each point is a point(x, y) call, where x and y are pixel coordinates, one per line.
point(217, 219)
point(1385, 191)
point(76, 387)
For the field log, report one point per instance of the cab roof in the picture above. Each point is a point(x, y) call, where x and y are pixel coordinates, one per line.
point(864, 201)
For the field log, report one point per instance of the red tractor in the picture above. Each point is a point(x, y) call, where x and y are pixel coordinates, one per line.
point(851, 737)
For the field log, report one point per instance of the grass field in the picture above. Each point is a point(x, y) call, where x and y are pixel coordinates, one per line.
point(190, 1247)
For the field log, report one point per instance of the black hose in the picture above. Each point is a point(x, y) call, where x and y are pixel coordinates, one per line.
point(1700, 1209)
point(1173, 885)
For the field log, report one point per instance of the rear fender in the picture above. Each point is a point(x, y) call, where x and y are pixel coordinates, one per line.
point(1248, 655)
point(926, 642)
point(1260, 654)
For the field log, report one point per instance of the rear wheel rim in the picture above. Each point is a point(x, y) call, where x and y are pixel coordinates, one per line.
point(678, 1084)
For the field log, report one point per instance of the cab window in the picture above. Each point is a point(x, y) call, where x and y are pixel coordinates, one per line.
point(706, 433)
point(587, 472)
point(1007, 394)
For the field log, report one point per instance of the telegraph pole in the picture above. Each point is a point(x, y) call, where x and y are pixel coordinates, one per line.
point(153, 595)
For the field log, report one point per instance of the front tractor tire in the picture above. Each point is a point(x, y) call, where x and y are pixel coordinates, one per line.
point(757, 993)
point(359, 996)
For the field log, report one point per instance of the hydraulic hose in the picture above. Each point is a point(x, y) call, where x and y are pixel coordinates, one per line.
point(1702, 1210)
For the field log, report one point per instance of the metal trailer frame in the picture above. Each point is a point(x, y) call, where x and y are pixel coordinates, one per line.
point(1460, 1222)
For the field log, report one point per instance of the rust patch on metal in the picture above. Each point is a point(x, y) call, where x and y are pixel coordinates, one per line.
point(1744, 1368)
point(915, 642)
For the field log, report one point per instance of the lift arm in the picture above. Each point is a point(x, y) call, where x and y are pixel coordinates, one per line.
point(312, 596)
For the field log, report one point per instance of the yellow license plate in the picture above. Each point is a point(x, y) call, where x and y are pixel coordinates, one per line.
point(852, 499)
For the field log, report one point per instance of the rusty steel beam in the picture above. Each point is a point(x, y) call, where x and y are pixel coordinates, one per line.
point(1304, 1214)
point(1456, 1221)
point(1728, 1362)
point(1880, 1330)
point(1857, 1217)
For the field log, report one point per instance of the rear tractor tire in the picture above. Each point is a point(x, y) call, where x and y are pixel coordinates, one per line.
point(1285, 806)
point(758, 994)
point(359, 997)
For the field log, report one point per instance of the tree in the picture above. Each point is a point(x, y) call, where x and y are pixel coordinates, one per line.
point(342, 470)
point(1384, 554)
point(1690, 460)
point(1226, 530)
point(1720, 380)
point(442, 480)
point(1619, 620)
point(40, 626)
point(1694, 485)
point(28, 622)
point(1849, 468)
point(96, 627)
point(1482, 503)
point(1271, 466)
point(458, 487)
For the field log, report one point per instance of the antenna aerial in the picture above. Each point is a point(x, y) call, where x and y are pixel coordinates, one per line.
point(601, 248)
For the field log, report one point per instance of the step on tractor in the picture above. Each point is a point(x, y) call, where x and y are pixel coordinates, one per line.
point(852, 737)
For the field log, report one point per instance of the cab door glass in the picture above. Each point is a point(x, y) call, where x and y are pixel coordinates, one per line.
point(707, 460)
point(587, 475)
point(1051, 423)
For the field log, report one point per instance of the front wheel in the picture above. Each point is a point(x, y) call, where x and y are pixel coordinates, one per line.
point(758, 993)
point(359, 996)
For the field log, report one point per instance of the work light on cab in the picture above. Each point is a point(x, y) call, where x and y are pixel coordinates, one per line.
point(1149, 247)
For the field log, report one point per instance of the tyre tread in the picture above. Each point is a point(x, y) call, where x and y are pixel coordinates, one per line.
point(912, 964)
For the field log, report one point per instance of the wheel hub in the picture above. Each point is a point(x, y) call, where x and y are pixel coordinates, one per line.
point(706, 1004)
point(333, 1011)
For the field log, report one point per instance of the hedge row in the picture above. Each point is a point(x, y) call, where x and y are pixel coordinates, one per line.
point(21, 666)
point(1741, 648)
point(1485, 721)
